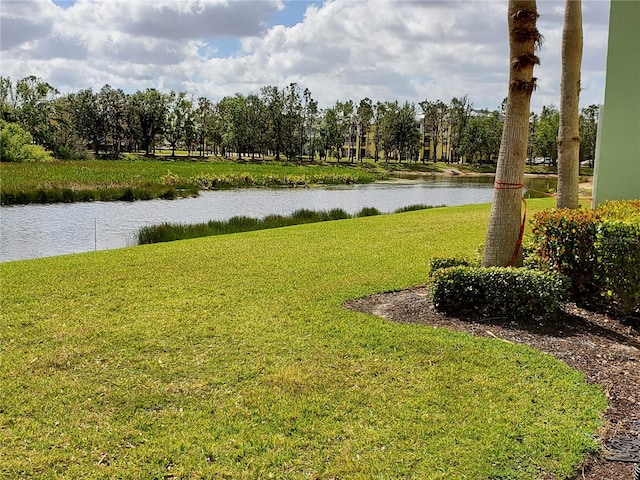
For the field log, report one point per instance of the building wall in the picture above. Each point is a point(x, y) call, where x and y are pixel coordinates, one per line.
point(617, 168)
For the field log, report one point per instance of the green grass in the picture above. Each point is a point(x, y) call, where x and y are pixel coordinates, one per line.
point(69, 181)
point(138, 179)
point(232, 357)
point(169, 232)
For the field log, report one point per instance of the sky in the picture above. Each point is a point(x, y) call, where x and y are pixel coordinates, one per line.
point(405, 50)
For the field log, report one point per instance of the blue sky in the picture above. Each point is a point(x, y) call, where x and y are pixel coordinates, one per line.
point(64, 3)
point(340, 49)
point(291, 14)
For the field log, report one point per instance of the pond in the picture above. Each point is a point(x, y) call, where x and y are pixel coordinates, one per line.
point(33, 231)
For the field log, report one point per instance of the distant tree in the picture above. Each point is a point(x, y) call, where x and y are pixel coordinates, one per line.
point(8, 100)
point(151, 116)
point(387, 128)
point(112, 106)
point(292, 120)
point(398, 131)
point(493, 134)
point(481, 140)
point(256, 125)
point(406, 132)
point(244, 123)
point(545, 138)
point(569, 129)
point(320, 141)
point(330, 136)
point(379, 112)
point(273, 100)
point(588, 132)
point(277, 121)
point(190, 136)
point(309, 124)
point(308, 119)
point(34, 98)
point(534, 119)
point(65, 142)
point(235, 123)
point(471, 145)
point(364, 114)
point(434, 115)
point(216, 132)
point(88, 119)
point(179, 124)
point(132, 132)
point(502, 244)
point(203, 122)
point(459, 111)
point(345, 112)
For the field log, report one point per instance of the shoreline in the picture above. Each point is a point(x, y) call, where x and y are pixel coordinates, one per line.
point(585, 187)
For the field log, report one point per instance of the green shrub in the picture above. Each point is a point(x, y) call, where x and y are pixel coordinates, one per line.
point(16, 145)
point(73, 149)
point(130, 157)
point(618, 247)
point(598, 249)
point(626, 210)
point(436, 263)
point(564, 242)
point(511, 293)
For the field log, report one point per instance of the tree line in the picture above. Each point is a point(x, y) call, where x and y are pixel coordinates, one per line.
point(279, 122)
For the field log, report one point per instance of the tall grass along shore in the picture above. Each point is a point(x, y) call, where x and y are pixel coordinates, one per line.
point(76, 181)
point(169, 232)
point(233, 357)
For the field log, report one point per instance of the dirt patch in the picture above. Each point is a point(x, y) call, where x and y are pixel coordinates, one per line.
point(605, 349)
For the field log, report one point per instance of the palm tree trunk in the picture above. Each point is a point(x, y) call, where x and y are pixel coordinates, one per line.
point(502, 244)
point(568, 133)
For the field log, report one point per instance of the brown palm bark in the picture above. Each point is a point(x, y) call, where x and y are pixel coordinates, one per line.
point(568, 133)
point(502, 244)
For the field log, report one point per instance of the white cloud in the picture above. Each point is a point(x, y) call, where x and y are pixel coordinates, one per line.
point(342, 49)
point(25, 21)
point(177, 20)
point(387, 50)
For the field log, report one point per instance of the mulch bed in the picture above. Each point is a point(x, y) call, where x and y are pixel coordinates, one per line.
point(604, 348)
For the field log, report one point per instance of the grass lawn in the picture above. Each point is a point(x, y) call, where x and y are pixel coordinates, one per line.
point(232, 357)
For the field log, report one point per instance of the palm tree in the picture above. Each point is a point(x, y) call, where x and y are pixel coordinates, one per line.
point(502, 244)
point(568, 133)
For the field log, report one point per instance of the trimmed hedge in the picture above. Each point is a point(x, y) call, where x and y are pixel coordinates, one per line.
point(598, 249)
point(436, 263)
point(625, 210)
point(618, 247)
point(564, 242)
point(512, 293)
